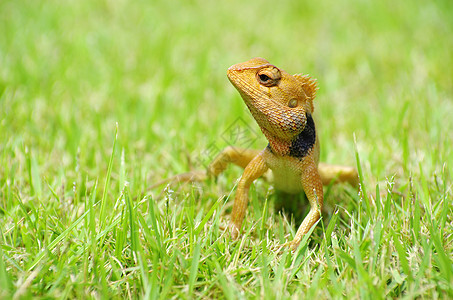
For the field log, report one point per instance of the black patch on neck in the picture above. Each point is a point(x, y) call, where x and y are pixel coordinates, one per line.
point(269, 147)
point(305, 140)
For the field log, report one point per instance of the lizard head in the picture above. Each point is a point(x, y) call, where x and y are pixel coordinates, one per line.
point(279, 102)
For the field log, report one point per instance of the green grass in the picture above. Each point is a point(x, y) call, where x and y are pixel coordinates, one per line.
point(101, 99)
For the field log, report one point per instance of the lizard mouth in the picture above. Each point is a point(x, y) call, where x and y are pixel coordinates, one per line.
point(248, 92)
point(267, 112)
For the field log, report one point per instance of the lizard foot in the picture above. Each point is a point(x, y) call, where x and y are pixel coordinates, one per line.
point(292, 245)
point(234, 231)
point(193, 176)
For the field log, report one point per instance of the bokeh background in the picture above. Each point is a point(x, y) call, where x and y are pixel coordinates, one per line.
point(71, 70)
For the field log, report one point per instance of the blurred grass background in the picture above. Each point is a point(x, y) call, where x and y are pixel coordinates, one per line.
point(71, 70)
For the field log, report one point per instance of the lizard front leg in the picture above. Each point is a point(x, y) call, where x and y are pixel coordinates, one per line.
point(254, 169)
point(312, 185)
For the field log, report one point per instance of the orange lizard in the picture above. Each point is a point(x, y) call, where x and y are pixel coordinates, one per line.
point(282, 105)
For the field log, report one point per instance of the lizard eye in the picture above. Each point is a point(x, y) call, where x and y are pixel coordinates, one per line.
point(292, 103)
point(269, 76)
point(264, 78)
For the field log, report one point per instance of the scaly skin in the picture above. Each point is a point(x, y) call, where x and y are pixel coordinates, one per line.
point(282, 105)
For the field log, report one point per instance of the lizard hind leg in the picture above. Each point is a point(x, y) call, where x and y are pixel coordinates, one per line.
point(336, 173)
point(231, 155)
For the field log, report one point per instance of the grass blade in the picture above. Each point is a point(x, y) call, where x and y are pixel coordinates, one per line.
point(194, 267)
point(107, 179)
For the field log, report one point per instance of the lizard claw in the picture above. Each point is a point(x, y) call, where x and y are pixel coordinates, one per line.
point(234, 231)
point(292, 245)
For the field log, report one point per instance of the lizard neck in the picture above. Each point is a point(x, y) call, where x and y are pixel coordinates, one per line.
point(276, 145)
point(299, 146)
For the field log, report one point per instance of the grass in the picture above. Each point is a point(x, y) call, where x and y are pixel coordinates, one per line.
point(101, 99)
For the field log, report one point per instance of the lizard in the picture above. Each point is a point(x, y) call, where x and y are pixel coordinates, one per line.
point(282, 105)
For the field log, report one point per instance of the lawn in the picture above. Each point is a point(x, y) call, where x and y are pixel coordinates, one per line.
point(101, 100)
